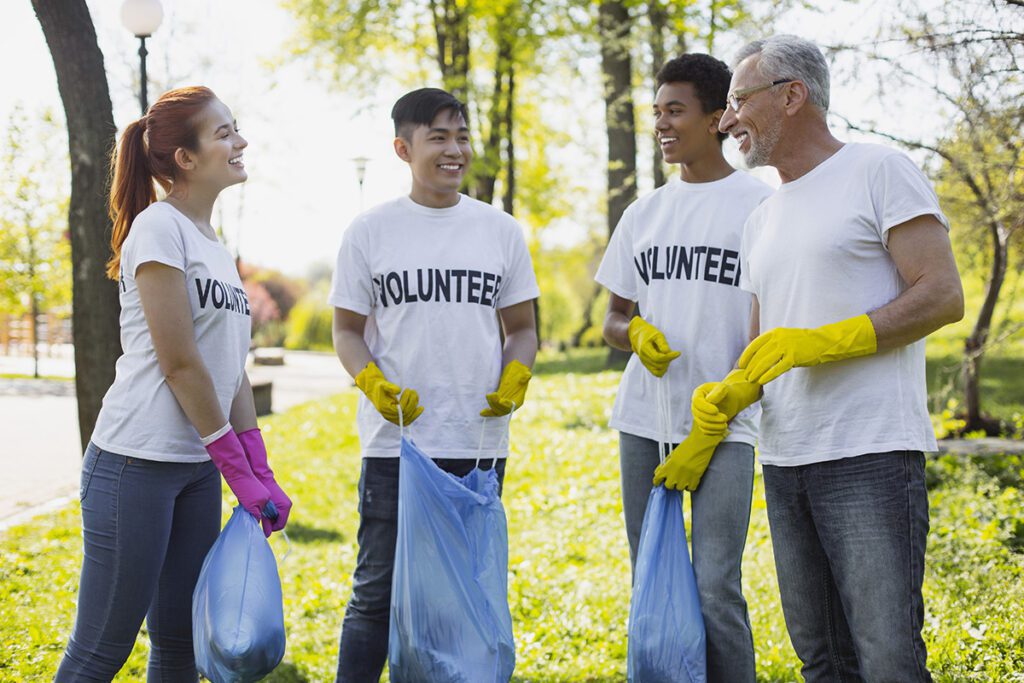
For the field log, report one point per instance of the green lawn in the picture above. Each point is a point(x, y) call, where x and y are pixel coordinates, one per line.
point(569, 567)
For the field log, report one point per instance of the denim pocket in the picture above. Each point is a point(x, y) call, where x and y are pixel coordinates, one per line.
point(92, 455)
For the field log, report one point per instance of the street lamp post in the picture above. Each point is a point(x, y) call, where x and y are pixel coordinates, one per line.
point(142, 18)
point(360, 163)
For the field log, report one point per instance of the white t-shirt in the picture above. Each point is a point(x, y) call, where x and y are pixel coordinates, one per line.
point(816, 253)
point(676, 252)
point(430, 282)
point(140, 416)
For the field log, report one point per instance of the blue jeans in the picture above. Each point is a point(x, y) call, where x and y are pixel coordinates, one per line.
point(146, 527)
point(721, 514)
point(364, 631)
point(849, 538)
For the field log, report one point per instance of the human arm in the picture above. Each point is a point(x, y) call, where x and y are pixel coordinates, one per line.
point(627, 332)
point(168, 313)
point(934, 297)
point(354, 354)
point(616, 322)
point(518, 355)
point(921, 251)
point(243, 407)
point(243, 421)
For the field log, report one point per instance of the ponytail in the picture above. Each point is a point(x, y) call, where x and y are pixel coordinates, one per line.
point(131, 190)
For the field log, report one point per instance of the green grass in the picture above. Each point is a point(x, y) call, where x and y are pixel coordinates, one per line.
point(51, 378)
point(569, 566)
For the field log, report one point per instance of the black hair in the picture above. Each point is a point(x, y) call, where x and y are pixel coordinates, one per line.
point(421, 107)
point(709, 76)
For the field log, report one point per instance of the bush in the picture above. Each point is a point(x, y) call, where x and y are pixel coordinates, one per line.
point(309, 326)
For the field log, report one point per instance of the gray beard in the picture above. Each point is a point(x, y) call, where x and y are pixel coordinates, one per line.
point(761, 150)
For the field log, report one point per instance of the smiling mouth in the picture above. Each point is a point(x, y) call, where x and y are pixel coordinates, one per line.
point(667, 140)
point(450, 167)
point(236, 161)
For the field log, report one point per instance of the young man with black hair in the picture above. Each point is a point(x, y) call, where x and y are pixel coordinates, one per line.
point(676, 253)
point(420, 285)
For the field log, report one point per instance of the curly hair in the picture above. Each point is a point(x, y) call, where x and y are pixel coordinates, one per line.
point(709, 76)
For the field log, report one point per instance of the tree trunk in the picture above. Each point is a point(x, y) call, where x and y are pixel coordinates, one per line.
point(82, 82)
point(508, 200)
point(974, 345)
point(451, 26)
point(588, 320)
point(616, 65)
point(489, 164)
point(658, 18)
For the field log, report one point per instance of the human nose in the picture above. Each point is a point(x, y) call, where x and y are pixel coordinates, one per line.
point(452, 148)
point(728, 119)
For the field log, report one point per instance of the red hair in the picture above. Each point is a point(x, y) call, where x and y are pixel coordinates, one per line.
point(146, 154)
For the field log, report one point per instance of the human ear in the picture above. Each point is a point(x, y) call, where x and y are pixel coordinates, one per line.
point(797, 96)
point(402, 149)
point(716, 119)
point(183, 159)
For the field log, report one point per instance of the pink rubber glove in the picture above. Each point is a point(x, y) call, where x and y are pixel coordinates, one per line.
point(229, 457)
point(256, 451)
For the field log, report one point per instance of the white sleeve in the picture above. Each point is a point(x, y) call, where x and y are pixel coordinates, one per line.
point(154, 236)
point(519, 283)
point(352, 283)
point(616, 272)
point(900, 191)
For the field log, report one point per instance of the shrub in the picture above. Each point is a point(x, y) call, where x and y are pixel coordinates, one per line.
point(309, 326)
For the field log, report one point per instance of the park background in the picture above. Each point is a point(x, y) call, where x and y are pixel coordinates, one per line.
point(559, 94)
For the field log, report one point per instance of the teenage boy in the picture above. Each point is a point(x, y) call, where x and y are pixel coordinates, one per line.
point(420, 285)
point(676, 253)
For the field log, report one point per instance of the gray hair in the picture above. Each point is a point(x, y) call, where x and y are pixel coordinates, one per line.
point(788, 56)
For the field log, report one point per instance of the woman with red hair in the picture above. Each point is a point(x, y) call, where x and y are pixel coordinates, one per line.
point(180, 408)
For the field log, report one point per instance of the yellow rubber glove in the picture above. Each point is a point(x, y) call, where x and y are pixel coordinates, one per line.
point(715, 404)
point(650, 345)
point(384, 395)
point(511, 390)
point(783, 348)
point(687, 462)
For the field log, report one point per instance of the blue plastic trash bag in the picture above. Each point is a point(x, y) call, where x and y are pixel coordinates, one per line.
point(237, 609)
point(666, 628)
point(450, 621)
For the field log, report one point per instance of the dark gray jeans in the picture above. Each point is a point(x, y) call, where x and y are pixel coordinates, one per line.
point(721, 515)
point(147, 527)
point(849, 538)
point(364, 631)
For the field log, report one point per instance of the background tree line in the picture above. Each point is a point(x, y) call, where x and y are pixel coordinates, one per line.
point(522, 67)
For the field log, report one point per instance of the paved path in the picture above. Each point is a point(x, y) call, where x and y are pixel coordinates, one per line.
point(41, 454)
point(41, 457)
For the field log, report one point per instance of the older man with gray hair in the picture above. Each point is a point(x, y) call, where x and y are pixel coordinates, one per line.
point(851, 267)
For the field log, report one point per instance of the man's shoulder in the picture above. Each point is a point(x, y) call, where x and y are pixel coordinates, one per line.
point(484, 214)
point(387, 208)
point(872, 155)
point(485, 210)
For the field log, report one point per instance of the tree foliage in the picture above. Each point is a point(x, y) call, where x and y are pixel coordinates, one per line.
point(967, 57)
point(35, 252)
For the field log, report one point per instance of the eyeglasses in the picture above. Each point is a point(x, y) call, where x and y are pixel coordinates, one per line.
point(736, 98)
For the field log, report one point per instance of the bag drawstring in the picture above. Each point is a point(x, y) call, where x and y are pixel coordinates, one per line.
point(503, 442)
point(664, 400)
